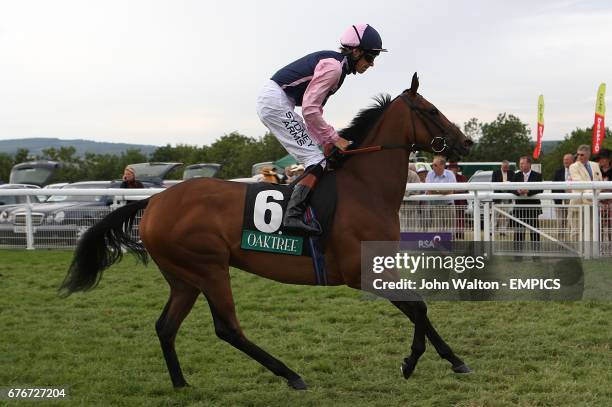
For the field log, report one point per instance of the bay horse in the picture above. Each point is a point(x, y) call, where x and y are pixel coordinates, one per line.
point(193, 232)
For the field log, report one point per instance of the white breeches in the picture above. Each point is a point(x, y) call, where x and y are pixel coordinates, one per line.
point(276, 111)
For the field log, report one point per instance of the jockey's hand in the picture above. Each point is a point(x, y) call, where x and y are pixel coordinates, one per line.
point(328, 149)
point(342, 143)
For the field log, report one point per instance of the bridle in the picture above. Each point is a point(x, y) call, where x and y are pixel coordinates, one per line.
point(427, 116)
point(439, 143)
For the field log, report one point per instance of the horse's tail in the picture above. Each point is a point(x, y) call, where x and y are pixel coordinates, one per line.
point(101, 246)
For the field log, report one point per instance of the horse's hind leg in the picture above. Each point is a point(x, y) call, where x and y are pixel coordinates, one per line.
point(227, 328)
point(182, 298)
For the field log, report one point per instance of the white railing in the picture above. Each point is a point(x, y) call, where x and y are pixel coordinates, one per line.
point(481, 192)
point(589, 214)
point(419, 212)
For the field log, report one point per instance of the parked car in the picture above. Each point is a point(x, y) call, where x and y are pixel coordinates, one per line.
point(204, 170)
point(61, 218)
point(479, 176)
point(10, 202)
point(207, 170)
point(154, 173)
point(482, 176)
point(57, 185)
point(34, 172)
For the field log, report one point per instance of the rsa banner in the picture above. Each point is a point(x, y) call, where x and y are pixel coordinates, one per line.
point(599, 129)
point(538, 147)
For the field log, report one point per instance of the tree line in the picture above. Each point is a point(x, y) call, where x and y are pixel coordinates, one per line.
point(505, 138)
point(236, 152)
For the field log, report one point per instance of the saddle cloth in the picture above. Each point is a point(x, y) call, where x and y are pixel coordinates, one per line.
point(265, 206)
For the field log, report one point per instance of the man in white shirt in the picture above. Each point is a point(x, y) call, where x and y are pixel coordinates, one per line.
point(442, 211)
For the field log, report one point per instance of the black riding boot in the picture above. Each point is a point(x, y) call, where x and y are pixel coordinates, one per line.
point(294, 215)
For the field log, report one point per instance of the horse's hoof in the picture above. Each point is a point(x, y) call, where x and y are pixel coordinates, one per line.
point(462, 369)
point(181, 386)
point(407, 368)
point(297, 384)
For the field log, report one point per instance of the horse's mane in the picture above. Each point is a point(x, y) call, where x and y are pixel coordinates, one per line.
point(365, 119)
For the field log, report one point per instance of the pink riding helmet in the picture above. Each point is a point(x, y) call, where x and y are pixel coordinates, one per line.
point(362, 36)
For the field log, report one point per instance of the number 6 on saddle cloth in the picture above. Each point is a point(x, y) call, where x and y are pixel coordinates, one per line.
point(262, 229)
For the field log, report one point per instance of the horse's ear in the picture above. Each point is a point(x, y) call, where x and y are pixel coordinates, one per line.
point(414, 86)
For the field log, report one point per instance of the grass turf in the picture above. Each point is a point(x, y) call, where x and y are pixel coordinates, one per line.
point(102, 345)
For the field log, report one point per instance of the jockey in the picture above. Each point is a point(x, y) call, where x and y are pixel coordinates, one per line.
point(309, 82)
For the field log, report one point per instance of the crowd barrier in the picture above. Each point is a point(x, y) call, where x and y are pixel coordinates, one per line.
point(580, 225)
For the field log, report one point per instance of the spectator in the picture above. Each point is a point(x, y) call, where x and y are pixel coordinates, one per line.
point(269, 175)
point(460, 204)
point(456, 169)
point(442, 211)
point(606, 204)
point(440, 175)
point(562, 175)
point(502, 175)
point(581, 170)
point(129, 179)
point(422, 173)
point(297, 170)
point(293, 172)
point(527, 210)
point(603, 159)
point(288, 176)
point(413, 177)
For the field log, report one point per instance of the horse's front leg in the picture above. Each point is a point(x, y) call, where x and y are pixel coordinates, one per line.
point(417, 312)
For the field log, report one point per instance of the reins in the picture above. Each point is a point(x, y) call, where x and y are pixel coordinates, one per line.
point(372, 149)
point(360, 150)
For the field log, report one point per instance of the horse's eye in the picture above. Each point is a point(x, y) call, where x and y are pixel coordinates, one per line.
point(433, 111)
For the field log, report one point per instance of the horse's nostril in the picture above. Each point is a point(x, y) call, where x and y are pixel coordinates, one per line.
point(469, 143)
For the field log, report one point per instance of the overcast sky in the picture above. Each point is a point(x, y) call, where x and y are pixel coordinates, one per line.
point(187, 71)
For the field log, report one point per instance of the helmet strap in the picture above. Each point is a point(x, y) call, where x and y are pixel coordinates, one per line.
point(352, 62)
point(358, 36)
